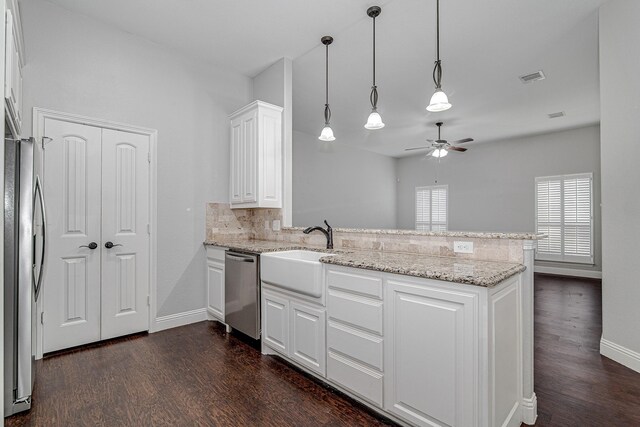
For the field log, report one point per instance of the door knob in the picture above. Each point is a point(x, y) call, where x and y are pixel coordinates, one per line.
point(109, 245)
point(91, 245)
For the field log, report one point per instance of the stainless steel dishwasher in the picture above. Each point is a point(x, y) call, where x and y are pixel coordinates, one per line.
point(242, 293)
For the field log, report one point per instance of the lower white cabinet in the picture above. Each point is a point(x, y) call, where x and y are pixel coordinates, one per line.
point(215, 283)
point(432, 354)
point(295, 329)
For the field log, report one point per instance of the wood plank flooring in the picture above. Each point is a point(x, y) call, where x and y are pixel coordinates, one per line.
point(198, 375)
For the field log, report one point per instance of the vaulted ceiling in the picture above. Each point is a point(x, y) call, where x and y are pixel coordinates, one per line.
point(485, 46)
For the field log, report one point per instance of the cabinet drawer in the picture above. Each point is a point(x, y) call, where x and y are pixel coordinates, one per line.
point(216, 253)
point(358, 311)
point(357, 283)
point(355, 344)
point(356, 378)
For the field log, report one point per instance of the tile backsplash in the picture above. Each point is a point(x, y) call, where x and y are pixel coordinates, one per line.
point(224, 223)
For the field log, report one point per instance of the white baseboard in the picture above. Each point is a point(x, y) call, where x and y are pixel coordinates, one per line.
point(179, 319)
point(620, 354)
point(573, 272)
point(530, 410)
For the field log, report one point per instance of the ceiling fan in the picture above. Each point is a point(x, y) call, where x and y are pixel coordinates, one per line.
point(441, 147)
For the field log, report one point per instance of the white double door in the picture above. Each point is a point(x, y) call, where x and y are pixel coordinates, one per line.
point(96, 185)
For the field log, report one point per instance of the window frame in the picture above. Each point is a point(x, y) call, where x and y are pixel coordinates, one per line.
point(562, 257)
point(431, 222)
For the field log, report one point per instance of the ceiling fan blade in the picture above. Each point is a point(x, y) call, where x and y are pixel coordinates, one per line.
point(453, 148)
point(460, 141)
point(416, 148)
point(430, 140)
point(428, 153)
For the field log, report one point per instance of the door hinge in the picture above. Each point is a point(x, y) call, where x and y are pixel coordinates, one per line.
point(42, 318)
point(149, 157)
point(148, 228)
point(149, 300)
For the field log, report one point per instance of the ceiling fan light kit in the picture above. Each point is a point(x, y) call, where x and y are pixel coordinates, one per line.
point(375, 120)
point(439, 100)
point(327, 132)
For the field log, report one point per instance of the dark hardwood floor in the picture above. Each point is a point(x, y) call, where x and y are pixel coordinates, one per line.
point(575, 385)
point(197, 375)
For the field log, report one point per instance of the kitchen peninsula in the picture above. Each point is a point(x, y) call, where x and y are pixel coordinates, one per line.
point(405, 325)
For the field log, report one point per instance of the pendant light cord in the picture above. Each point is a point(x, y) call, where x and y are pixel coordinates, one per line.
point(374, 89)
point(327, 110)
point(437, 70)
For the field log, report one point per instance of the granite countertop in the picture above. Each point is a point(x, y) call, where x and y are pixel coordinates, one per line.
point(450, 269)
point(261, 246)
point(461, 234)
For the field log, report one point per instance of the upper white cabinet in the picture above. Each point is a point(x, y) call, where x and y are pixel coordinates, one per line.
point(13, 69)
point(256, 157)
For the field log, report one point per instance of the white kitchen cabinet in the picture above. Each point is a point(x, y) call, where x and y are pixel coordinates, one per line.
point(295, 329)
point(215, 283)
point(355, 332)
point(13, 70)
point(256, 157)
point(275, 322)
point(430, 364)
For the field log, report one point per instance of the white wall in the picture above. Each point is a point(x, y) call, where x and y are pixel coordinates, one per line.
point(274, 85)
point(491, 186)
point(346, 186)
point(620, 134)
point(78, 65)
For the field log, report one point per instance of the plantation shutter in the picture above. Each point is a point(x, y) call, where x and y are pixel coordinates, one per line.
point(431, 208)
point(564, 211)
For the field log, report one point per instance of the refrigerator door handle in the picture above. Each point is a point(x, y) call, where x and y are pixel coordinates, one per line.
point(37, 284)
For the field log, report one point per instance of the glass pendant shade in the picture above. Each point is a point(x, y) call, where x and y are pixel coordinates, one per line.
point(327, 134)
point(439, 102)
point(374, 121)
point(440, 152)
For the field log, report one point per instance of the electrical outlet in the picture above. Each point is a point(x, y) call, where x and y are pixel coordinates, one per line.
point(463, 247)
point(276, 225)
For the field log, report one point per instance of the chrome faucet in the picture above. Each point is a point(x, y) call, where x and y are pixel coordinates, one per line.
point(328, 233)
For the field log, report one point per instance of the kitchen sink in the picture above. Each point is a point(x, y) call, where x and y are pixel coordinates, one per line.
point(298, 271)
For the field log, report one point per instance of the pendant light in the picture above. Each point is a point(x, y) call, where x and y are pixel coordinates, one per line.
point(374, 121)
point(327, 132)
point(439, 100)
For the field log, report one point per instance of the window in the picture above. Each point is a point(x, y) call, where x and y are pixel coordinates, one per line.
point(564, 212)
point(431, 208)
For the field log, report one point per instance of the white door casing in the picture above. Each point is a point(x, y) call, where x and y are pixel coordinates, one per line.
point(125, 222)
point(96, 179)
point(71, 294)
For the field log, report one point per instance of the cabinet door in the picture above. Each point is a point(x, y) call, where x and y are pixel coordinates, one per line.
point(308, 337)
point(13, 75)
point(430, 353)
point(250, 153)
point(236, 173)
point(215, 289)
point(275, 322)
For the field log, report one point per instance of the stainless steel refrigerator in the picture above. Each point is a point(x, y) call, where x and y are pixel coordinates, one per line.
point(24, 250)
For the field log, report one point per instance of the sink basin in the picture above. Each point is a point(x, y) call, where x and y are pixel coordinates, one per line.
point(297, 271)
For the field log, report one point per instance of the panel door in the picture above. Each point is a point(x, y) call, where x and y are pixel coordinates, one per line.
point(125, 223)
point(250, 152)
point(308, 337)
point(275, 322)
point(236, 188)
point(71, 288)
point(215, 288)
point(429, 369)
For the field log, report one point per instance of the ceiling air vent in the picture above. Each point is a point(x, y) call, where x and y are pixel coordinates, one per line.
point(533, 77)
point(556, 115)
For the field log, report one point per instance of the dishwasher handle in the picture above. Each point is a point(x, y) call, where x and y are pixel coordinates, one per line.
point(239, 258)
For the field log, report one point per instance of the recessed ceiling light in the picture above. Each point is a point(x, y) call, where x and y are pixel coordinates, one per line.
point(532, 77)
point(556, 115)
